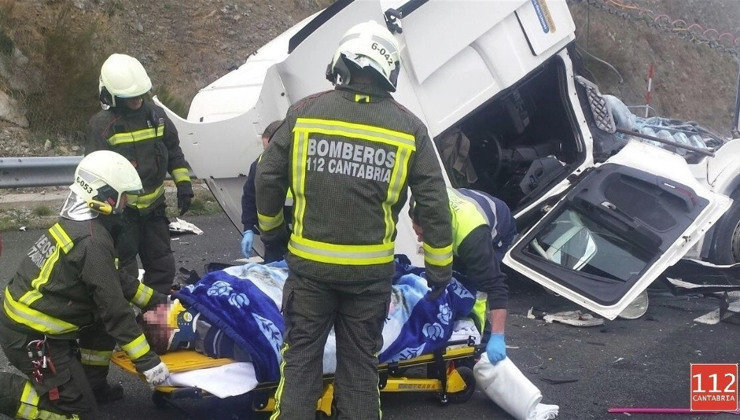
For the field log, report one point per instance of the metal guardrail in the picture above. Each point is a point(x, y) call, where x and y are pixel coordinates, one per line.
point(18, 172)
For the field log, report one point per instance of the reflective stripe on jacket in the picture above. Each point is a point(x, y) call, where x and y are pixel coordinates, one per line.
point(147, 138)
point(466, 216)
point(68, 280)
point(347, 164)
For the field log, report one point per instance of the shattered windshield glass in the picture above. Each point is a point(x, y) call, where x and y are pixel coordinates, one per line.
point(576, 242)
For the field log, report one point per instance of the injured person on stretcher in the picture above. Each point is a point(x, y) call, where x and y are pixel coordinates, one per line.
point(235, 313)
point(233, 316)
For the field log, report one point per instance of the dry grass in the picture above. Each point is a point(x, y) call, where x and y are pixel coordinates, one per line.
point(69, 79)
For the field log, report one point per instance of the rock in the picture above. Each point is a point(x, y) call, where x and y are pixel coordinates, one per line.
point(18, 74)
point(19, 58)
point(12, 111)
point(47, 144)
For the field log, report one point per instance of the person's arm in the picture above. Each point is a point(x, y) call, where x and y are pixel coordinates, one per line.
point(271, 185)
point(95, 135)
point(497, 318)
point(102, 279)
point(432, 207)
point(483, 270)
point(249, 204)
point(139, 294)
point(177, 166)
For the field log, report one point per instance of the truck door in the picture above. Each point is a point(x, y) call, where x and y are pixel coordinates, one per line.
point(617, 229)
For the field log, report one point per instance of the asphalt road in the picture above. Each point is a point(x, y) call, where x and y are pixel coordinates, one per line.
point(623, 363)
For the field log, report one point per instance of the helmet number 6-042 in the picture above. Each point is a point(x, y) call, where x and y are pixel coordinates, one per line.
point(382, 52)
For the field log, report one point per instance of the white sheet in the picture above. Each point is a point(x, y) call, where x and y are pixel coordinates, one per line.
point(222, 381)
point(239, 378)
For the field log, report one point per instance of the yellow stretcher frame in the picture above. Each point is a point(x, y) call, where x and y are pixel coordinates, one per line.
point(452, 378)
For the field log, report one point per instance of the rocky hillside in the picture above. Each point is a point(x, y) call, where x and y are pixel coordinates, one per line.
point(689, 43)
point(51, 51)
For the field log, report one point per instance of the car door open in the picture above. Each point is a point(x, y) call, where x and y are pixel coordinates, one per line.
point(617, 229)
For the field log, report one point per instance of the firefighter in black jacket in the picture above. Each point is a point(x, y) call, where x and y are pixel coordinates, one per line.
point(347, 156)
point(67, 288)
point(141, 132)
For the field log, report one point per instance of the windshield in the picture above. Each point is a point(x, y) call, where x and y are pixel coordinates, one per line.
point(576, 242)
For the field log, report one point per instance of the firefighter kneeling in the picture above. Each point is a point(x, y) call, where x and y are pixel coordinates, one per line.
point(68, 301)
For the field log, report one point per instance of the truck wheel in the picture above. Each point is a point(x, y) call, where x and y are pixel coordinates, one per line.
point(726, 249)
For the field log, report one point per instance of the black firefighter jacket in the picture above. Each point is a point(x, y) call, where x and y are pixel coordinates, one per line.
point(68, 280)
point(149, 140)
point(347, 156)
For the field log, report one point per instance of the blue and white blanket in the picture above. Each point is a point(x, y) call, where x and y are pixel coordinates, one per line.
point(244, 301)
point(244, 311)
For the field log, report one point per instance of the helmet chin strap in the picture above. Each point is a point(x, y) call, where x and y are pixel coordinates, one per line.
point(100, 207)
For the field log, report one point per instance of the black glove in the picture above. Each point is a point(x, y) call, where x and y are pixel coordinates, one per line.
point(184, 196)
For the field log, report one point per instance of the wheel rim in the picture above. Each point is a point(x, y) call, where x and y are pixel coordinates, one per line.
point(735, 244)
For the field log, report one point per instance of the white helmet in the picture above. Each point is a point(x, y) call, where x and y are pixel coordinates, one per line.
point(122, 76)
point(367, 44)
point(103, 179)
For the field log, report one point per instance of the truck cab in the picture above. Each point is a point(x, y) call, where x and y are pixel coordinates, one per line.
point(496, 86)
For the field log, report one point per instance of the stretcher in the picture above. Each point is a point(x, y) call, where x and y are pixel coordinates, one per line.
point(449, 374)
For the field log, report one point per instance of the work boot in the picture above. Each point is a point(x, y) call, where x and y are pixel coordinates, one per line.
point(108, 393)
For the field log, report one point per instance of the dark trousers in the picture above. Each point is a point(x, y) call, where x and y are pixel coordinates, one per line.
point(357, 312)
point(148, 235)
point(96, 349)
point(17, 399)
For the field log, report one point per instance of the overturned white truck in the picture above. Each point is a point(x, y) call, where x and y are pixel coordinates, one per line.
point(498, 78)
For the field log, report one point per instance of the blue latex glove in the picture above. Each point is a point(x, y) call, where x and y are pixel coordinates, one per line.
point(247, 241)
point(496, 348)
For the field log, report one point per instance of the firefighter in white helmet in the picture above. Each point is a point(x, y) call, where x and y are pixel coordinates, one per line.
point(347, 155)
point(67, 288)
point(140, 130)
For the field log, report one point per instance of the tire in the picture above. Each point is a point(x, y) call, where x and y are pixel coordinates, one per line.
point(726, 243)
point(463, 396)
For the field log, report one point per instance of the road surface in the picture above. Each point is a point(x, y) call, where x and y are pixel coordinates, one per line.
point(623, 363)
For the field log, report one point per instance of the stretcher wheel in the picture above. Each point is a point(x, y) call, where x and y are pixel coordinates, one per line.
point(463, 396)
point(159, 399)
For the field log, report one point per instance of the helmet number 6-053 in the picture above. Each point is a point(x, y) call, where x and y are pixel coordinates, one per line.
point(84, 185)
